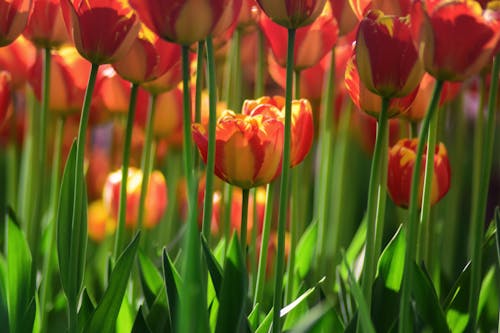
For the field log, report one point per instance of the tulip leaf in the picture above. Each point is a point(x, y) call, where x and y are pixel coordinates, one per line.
point(427, 302)
point(457, 321)
point(213, 267)
point(306, 248)
point(233, 292)
point(104, 317)
point(4, 312)
point(253, 317)
point(140, 325)
point(172, 284)
point(390, 265)
point(72, 228)
point(125, 319)
point(87, 308)
point(151, 279)
point(321, 318)
point(158, 318)
point(266, 323)
point(497, 227)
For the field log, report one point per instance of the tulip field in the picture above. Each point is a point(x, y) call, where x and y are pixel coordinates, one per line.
point(249, 166)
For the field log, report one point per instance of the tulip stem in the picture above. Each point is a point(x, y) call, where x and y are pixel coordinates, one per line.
point(244, 221)
point(375, 192)
point(146, 162)
point(264, 243)
point(45, 288)
point(79, 191)
point(199, 88)
point(480, 211)
point(122, 207)
point(405, 322)
point(226, 216)
point(285, 168)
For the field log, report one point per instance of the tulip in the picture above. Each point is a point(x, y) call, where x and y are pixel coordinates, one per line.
point(46, 27)
point(312, 42)
point(365, 129)
point(167, 122)
point(148, 58)
point(386, 57)
point(67, 87)
point(14, 14)
point(292, 14)
point(456, 39)
point(344, 14)
point(5, 97)
point(102, 30)
point(100, 224)
point(400, 169)
point(368, 101)
point(156, 199)
point(18, 58)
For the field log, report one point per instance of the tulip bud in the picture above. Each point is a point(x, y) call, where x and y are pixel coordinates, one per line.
point(14, 18)
point(46, 27)
point(18, 58)
point(400, 170)
point(292, 14)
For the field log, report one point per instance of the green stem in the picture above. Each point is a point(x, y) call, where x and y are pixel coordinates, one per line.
point(480, 213)
point(244, 220)
point(266, 231)
point(122, 207)
point(45, 290)
point(147, 161)
point(73, 318)
point(261, 65)
point(405, 322)
point(199, 82)
point(226, 216)
point(253, 239)
point(236, 72)
point(212, 122)
point(285, 168)
point(375, 189)
point(413, 129)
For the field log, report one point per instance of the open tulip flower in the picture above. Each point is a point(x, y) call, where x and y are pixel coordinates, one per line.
point(14, 14)
point(386, 56)
point(292, 14)
point(400, 169)
point(102, 30)
point(46, 27)
point(456, 39)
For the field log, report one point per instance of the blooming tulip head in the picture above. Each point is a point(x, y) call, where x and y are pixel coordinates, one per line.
point(156, 197)
point(292, 13)
point(46, 27)
point(456, 38)
point(18, 58)
point(5, 97)
point(103, 30)
point(386, 56)
point(400, 169)
point(14, 14)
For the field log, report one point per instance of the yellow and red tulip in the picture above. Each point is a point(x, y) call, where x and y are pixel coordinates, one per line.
point(400, 169)
point(14, 14)
point(312, 42)
point(5, 97)
point(18, 58)
point(386, 56)
point(100, 224)
point(456, 38)
point(46, 27)
point(102, 30)
point(292, 14)
point(343, 13)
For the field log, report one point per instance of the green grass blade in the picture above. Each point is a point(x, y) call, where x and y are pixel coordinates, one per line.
point(391, 265)
point(306, 250)
point(151, 279)
point(213, 267)
point(140, 325)
point(172, 284)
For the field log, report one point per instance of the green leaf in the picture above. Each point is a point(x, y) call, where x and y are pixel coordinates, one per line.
point(233, 292)
point(104, 318)
point(353, 251)
point(306, 250)
point(320, 319)
point(391, 265)
point(253, 317)
point(265, 325)
point(497, 227)
point(487, 289)
point(140, 325)
point(457, 321)
point(172, 284)
point(213, 267)
point(4, 311)
point(20, 281)
point(363, 312)
point(158, 318)
point(296, 309)
point(427, 302)
point(86, 309)
point(72, 229)
point(151, 279)
point(125, 319)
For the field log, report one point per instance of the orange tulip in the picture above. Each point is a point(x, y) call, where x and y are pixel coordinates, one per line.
point(386, 57)
point(166, 82)
point(400, 169)
point(100, 224)
point(149, 58)
point(156, 198)
point(312, 42)
point(46, 27)
point(102, 30)
point(292, 13)
point(167, 122)
point(14, 14)
point(5, 97)
point(456, 38)
point(18, 58)
point(344, 14)
point(67, 88)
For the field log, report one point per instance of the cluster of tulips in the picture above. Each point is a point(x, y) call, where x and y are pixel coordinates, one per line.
point(280, 127)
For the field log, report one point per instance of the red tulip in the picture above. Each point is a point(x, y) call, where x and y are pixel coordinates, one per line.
point(344, 14)
point(148, 58)
point(102, 30)
point(400, 169)
point(167, 122)
point(292, 13)
point(312, 42)
point(14, 14)
point(365, 130)
point(5, 97)
point(46, 27)
point(392, 7)
point(386, 57)
point(456, 38)
point(18, 58)
point(166, 82)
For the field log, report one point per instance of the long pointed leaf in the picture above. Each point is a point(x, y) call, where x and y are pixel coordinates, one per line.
point(390, 265)
point(213, 267)
point(151, 279)
point(140, 325)
point(172, 284)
